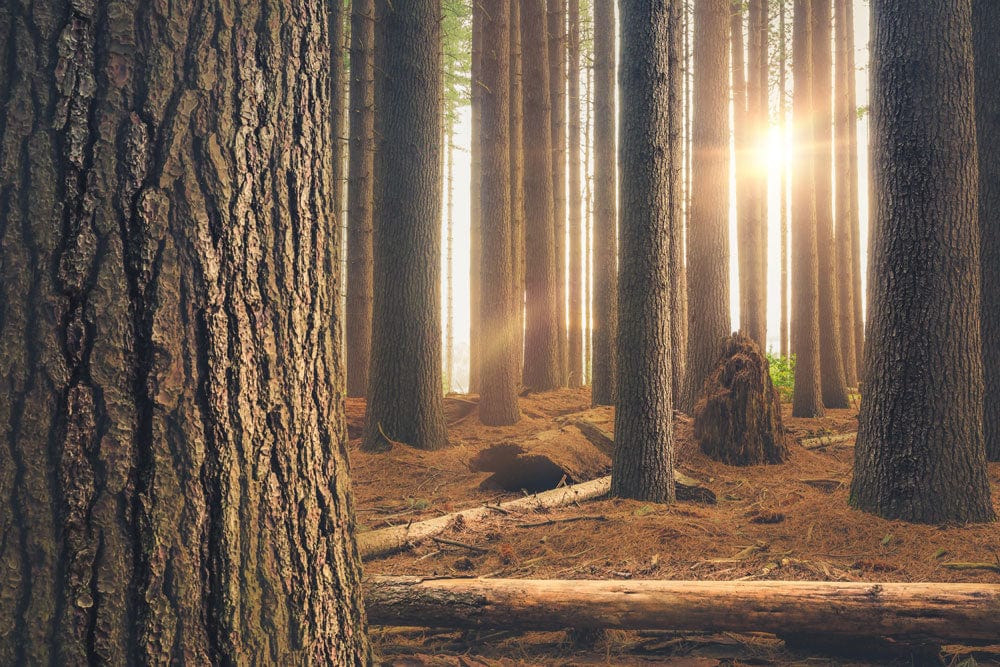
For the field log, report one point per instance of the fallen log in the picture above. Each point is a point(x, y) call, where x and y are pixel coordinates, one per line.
point(912, 611)
point(827, 440)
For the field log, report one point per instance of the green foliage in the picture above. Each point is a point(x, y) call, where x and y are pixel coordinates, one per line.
point(782, 374)
point(456, 34)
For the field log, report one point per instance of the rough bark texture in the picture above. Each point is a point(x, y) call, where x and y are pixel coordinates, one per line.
point(738, 421)
point(499, 368)
point(576, 249)
point(926, 612)
point(859, 298)
point(808, 398)
point(359, 197)
point(844, 120)
point(557, 85)
point(475, 199)
point(920, 454)
point(605, 297)
point(643, 462)
point(833, 384)
point(171, 378)
point(541, 344)
point(517, 179)
point(678, 282)
point(404, 394)
point(708, 227)
point(985, 29)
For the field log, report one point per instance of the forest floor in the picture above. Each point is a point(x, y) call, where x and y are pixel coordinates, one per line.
point(787, 522)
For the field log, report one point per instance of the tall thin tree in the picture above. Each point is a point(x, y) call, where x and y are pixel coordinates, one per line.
point(920, 454)
point(678, 283)
point(541, 344)
point(783, 342)
point(708, 226)
point(475, 199)
point(852, 95)
point(808, 398)
point(643, 461)
point(605, 299)
point(517, 178)
point(557, 85)
point(575, 328)
point(985, 28)
point(404, 394)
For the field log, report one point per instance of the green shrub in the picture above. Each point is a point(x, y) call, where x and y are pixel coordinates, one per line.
point(782, 374)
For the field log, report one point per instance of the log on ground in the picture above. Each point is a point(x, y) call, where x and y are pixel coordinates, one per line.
point(910, 611)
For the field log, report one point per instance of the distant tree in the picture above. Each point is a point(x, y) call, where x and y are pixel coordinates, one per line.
point(359, 197)
point(557, 85)
point(517, 179)
point(834, 385)
point(783, 342)
point(708, 227)
point(852, 95)
point(541, 344)
point(404, 396)
point(500, 377)
point(605, 297)
point(808, 398)
point(678, 283)
point(475, 200)
point(920, 453)
point(845, 118)
point(643, 461)
point(576, 250)
point(985, 30)
point(170, 356)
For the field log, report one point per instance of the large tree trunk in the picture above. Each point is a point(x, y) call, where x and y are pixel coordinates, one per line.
point(844, 119)
point(475, 200)
point(643, 461)
point(517, 179)
point(605, 298)
point(808, 398)
point(859, 298)
point(920, 454)
point(359, 197)
point(783, 342)
point(926, 612)
point(498, 405)
point(541, 344)
point(985, 28)
point(708, 228)
point(170, 364)
point(404, 396)
point(833, 384)
point(576, 250)
point(557, 85)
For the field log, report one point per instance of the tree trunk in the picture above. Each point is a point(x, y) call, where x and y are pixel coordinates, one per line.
point(557, 84)
point(359, 197)
point(708, 228)
point(449, 265)
point(500, 381)
point(605, 298)
point(808, 399)
point(541, 344)
point(517, 180)
point(576, 250)
point(833, 384)
point(985, 28)
point(643, 462)
point(758, 88)
point(170, 359)
point(926, 612)
point(475, 200)
point(844, 126)
point(678, 282)
point(404, 397)
point(783, 124)
point(588, 218)
point(859, 298)
point(920, 454)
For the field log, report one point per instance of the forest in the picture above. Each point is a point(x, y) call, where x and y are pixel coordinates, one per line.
point(488, 333)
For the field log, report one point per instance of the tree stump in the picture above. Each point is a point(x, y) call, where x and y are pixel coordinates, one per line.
point(738, 417)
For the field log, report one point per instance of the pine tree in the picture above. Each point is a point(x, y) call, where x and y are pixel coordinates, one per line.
point(575, 330)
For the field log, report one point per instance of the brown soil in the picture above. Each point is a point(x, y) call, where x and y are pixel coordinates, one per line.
point(788, 521)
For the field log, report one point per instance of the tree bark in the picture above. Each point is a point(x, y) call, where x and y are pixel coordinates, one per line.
point(605, 298)
point(404, 397)
point(359, 197)
point(576, 249)
point(541, 344)
point(708, 228)
point(498, 405)
point(517, 179)
point(643, 462)
point(475, 200)
point(920, 454)
point(170, 363)
point(808, 398)
point(557, 84)
point(927, 612)
point(985, 27)
point(833, 384)
point(844, 126)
